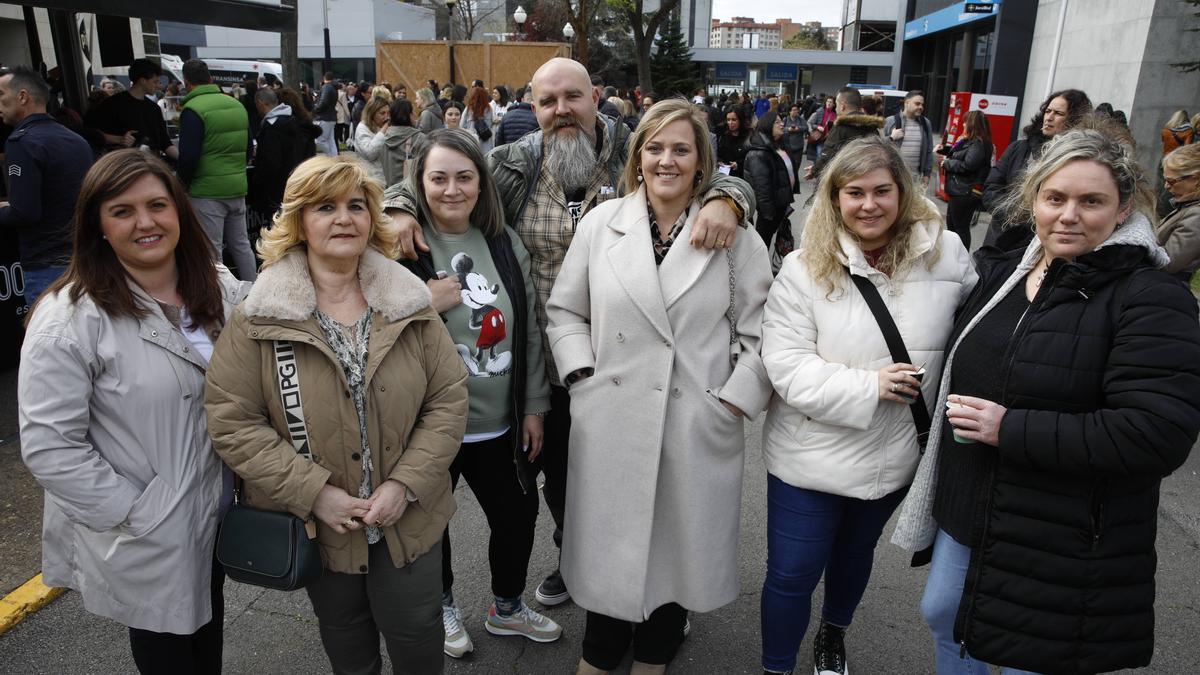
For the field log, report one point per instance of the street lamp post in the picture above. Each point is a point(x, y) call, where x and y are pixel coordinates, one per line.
point(569, 33)
point(450, 35)
point(519, 17)
point(327, 65)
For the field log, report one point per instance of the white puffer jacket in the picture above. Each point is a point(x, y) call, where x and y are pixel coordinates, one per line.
point(826, 428)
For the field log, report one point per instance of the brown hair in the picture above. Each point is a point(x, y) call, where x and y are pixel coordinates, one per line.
point(975, 125)
point(95, 270)
point(292, 98)
point(477, 102)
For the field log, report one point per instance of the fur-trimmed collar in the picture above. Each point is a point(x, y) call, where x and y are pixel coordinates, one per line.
point(859, 120)
point(285, 290)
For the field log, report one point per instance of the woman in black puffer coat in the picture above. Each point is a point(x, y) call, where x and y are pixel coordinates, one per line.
point(1073, 381)
point(767, 170)
point(967, 164)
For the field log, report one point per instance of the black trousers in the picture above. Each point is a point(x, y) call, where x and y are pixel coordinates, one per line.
point(959, 214)
point(511, 513)
point(195, 654)
point(341, 133)
point(655, 640)
point(553, 460)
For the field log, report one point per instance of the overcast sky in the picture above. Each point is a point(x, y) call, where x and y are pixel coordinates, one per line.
point(828, 12)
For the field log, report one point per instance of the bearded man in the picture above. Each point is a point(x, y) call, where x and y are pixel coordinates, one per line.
point(548, 180)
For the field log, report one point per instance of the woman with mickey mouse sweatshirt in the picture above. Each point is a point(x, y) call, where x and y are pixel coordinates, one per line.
point(478, 272)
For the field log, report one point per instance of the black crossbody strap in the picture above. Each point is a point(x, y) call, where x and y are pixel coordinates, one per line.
point(895, 344)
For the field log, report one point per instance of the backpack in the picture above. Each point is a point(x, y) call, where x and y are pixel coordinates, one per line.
point(397, 158)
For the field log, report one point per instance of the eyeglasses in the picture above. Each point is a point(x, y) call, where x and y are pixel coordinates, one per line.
point(1172, 181)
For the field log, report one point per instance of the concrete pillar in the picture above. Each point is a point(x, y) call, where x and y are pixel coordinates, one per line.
point(966, 62)
point(70, 59)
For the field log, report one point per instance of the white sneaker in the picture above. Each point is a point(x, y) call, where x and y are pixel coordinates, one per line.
point(457, 642)
point(524, 622)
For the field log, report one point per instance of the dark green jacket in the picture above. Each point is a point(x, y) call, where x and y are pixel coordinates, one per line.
point(514, 165)
point(221, 171)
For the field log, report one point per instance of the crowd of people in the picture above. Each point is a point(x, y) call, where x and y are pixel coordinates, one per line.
point(493, 287)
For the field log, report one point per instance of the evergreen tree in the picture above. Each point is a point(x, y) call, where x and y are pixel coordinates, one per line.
point(671, 66)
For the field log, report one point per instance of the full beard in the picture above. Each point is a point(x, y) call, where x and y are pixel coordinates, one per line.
point(570, 158)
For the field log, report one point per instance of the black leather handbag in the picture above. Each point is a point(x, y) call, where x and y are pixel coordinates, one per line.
point(268, 548)
point(273, 549)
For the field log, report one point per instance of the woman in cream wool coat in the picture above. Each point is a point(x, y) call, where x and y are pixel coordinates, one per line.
point(839, 440)
point(655, 476)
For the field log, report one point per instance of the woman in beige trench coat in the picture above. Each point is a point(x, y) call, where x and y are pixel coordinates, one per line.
point(655, 475)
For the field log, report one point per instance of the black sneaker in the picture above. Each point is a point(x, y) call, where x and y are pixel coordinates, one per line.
point(829, 651)
point(552, 591)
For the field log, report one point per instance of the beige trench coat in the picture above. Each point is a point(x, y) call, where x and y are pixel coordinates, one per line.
point(113, 427)
point(654, 482)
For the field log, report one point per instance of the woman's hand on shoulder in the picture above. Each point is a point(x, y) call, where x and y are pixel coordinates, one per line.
point(446, 291)
point(337, 509)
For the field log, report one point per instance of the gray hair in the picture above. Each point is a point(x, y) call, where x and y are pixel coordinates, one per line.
point(1094, 140)
point(266, 96)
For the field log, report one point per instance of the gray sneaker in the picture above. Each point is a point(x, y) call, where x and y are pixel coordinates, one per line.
point(524, 622)
point(457, 641)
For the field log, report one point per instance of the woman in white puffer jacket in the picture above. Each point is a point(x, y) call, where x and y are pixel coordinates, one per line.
point(839, 440)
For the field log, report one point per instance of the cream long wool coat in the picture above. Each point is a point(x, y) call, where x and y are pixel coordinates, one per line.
point(654, 483)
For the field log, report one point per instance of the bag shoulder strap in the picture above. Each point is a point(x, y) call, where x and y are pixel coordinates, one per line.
point(288, 377)
point(731, 312)
point(895, 344)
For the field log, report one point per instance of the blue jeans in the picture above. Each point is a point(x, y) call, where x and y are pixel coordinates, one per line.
point(939, 606)
point(811, 533)
point(37, 281)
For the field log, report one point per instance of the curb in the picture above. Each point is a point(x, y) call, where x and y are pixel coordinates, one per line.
point(28, 598)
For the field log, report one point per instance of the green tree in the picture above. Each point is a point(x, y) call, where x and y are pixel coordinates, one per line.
point(808, 38)
point(671, 66)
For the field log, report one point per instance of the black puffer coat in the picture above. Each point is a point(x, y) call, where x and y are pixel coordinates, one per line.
point(767, 174)
point(968, 164)
point(1103, 394)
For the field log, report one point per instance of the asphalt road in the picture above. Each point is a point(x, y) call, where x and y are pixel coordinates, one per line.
point(272, 632)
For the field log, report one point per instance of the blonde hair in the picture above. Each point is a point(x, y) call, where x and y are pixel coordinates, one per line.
point(821, 248)
point(371, 109)
point(623, 105)
point(425, 98)
point(657, 118)
point(381, 91)
point(1102, 141)
point(1178, 119)
point(1184, 160)
point(323, 179)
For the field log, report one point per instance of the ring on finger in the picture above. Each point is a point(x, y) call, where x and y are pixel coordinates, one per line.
point(894, 387)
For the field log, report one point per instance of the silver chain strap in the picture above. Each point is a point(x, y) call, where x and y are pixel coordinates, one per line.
point(729, 313)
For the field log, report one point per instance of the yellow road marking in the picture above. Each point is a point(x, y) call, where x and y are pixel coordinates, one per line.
point(28, 598)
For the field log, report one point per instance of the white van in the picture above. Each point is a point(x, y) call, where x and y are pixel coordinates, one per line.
point(225, 72)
